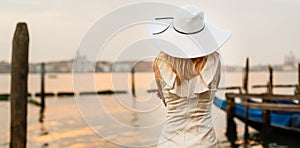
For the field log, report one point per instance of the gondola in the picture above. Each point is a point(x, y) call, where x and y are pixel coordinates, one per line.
point(284, 125)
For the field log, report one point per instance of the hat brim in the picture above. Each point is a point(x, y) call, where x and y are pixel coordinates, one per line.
point(180, 45)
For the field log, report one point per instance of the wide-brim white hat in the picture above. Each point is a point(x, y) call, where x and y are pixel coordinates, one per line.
point(187, 35)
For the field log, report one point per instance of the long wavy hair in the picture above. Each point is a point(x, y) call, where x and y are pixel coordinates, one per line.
point(183, 68)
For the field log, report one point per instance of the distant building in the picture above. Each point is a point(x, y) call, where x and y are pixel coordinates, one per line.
point(122, 66)
point(143, 66)
point(82, 64)
point(229, 68)
point(103, 66)
point(59, 66)
point(290, 59)
point(34, 68)
point(126, 66)
point(290, 62)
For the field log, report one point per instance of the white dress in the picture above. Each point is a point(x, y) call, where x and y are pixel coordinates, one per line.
point(189, 122)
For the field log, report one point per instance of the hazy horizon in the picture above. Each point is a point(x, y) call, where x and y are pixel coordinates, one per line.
point(264, 31)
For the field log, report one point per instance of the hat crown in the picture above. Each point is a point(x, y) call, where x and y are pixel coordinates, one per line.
point(189, 18)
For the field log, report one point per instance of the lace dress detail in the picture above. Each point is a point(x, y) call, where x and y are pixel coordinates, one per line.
point(189, 122)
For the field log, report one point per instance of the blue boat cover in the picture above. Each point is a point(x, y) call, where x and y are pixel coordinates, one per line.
point(284, 119)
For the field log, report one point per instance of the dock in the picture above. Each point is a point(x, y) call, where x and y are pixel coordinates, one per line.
point(270, 105)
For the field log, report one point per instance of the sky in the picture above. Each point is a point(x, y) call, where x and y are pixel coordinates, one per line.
point(265, 31)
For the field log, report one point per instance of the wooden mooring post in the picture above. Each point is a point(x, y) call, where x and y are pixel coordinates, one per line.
point(270, 83)
point(246, 76)
point(19, 92)
point(132, 82)
point(42, 85)
point(266, 116)
point(246, 131)
point(43, 104)
point(231, 132)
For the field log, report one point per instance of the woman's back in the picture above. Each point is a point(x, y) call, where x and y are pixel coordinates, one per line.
point(188, 101)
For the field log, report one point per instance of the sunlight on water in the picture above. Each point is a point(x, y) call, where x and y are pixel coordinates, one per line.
point(67, 126)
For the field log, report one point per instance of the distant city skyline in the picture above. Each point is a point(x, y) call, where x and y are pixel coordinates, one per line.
point(264, 31)
point(83, 65)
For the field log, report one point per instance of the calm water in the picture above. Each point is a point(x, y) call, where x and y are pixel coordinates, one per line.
point(84, 121)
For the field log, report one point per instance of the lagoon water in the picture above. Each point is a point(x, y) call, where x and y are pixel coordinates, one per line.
point(110, 120)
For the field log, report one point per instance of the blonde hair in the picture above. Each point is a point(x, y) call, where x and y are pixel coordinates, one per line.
point(183, 68)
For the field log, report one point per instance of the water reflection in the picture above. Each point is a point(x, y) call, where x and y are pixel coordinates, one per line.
point(43, 128)
point(62, 125)
point(134, 121)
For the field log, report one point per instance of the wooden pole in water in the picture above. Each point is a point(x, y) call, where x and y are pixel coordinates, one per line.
point(42, 86)
point(270, 87)
point(231, 125)
point(19, 92)
point(266, 116)
point(246, 100)
point(245, 82)
point(41, 118)
point(266, 129)
point(132, 82)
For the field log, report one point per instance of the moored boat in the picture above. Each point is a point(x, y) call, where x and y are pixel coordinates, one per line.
point(285, 126)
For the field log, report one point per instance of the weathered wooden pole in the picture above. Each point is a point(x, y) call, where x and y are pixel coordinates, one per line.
point(42, 85)
point(266, 116)
point(41, 119)
point(246, 131)
point(19, 74)
point(43, 103)
point(231, 125)
point(246, 76)
point(132, 82)
point(270, 84)
point(266, 129)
